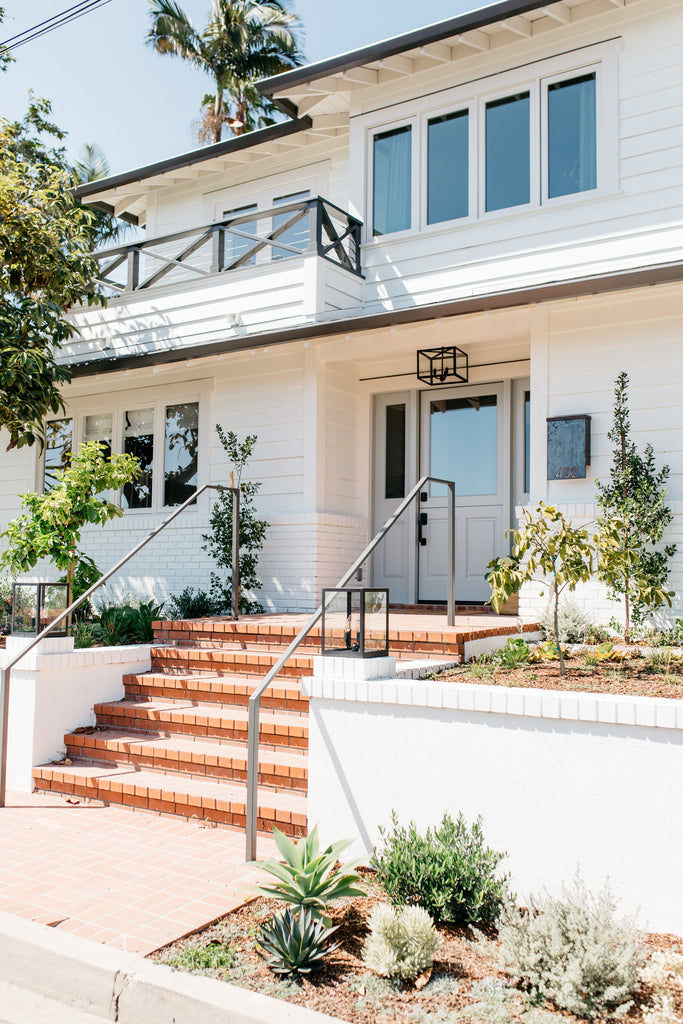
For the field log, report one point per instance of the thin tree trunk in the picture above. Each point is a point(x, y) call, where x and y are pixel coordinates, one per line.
point(556, 599)
point(627, 577)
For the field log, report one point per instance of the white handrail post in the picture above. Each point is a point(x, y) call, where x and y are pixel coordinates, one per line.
point(4, 730)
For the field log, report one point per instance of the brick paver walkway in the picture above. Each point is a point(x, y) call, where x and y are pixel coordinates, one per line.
point(129, 879)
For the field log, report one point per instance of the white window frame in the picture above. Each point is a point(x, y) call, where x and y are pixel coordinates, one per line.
point(145, 398)
point(534, 78)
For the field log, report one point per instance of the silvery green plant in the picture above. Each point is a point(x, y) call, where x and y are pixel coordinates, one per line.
point(402, 942)
point(574, 951)
point(308, 878)
point(295, 942)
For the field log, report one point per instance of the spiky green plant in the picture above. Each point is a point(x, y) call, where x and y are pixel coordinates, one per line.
point(295, 942)
point(308, 878)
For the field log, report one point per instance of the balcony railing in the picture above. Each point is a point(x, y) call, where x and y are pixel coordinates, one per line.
point(252, 238)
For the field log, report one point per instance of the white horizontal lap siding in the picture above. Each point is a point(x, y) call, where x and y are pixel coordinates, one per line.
point(590, 341)
point(587, 234)
point(342, 441)
point(17, 475)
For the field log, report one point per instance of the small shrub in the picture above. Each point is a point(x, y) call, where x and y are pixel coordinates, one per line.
point(573, 951)
point(87, 634)
point(664, 662)
point(308, 879)
point(198, 959)
point(129, 623)
point(671, 637)
point(516, 652)
point(194, 604)
point(402, 942)
point(573, 623)
point(448, 871)
point(295, 942)
point(546, 651)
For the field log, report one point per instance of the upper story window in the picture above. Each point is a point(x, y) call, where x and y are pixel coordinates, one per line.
point(391, 196)
point(163, 437)
point(501, 145)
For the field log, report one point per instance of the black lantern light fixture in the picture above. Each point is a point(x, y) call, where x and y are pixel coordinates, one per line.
point(448, 365)
point(356, 622)
point(36, 605)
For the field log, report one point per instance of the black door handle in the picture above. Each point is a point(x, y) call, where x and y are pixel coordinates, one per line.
point(422, 520)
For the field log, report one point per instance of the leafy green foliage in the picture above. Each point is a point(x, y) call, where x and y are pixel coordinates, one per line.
point(635, 513)
point(448, 871)
point(243, 41)
point(52, 523)
point(402, 942)
point(252, 530)
point(295, 942)
point(88, 634)
point(308, 878)
point(130, 622)
point(573, 623)
point(671, 637)
point(516, 652)
point(547, 651)
point(193, 604)
point(573, 951)
point(45, 266)
point(549, 550)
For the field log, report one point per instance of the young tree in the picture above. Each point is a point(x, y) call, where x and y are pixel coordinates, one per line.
point(45, 266)
point(252, 530)
point(244, 40)
point(633, 509)
point(52, 523)
point(549, 550)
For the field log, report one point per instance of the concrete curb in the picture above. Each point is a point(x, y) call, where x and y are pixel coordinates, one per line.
point(126, 988)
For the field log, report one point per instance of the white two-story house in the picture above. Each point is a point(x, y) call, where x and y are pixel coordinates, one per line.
point(509, 183)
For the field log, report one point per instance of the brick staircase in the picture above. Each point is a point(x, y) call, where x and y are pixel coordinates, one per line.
point(177, 742)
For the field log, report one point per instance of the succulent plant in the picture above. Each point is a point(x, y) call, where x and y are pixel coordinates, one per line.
point(295, 942)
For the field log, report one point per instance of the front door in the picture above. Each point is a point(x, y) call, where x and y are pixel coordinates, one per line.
point(464, 434)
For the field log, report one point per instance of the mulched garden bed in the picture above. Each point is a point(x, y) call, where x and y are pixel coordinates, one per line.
point(465, 984)
point(633, 677)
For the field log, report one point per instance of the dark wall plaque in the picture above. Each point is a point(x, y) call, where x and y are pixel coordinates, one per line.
point(569, 447)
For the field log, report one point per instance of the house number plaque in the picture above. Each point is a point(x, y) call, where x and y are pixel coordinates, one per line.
point(569, 447)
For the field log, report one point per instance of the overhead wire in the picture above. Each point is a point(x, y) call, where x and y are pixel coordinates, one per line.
point(50, 24)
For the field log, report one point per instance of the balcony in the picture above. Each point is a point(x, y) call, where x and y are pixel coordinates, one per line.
point(259, 272)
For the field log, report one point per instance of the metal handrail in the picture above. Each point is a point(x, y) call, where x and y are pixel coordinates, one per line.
point(6, 669)
point(255, 698)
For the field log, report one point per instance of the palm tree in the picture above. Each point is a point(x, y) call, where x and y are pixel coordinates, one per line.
point(243, 41)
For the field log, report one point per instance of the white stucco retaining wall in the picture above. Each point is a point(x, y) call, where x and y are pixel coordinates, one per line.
point(52, 692)
point(560, 779)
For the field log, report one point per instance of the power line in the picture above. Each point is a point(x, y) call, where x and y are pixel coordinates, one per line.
point(43, 27)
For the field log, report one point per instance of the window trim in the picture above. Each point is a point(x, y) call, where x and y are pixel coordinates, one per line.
point(601, 58)
point(145, 398)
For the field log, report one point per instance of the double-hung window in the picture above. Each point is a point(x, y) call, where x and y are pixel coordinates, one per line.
point(504, 144)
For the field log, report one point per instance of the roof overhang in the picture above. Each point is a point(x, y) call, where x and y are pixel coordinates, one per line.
point(575, 288)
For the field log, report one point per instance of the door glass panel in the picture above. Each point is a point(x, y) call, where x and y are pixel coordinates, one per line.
point(299, 234)
point(180, 452)
point(395, 458)
point(448, 167)
point(58, 439)
point(463, 439)
point(391, 196)
point(508, 169)
point(98, 428)
point(138, 440)
point(235, 245)
point(572, 158)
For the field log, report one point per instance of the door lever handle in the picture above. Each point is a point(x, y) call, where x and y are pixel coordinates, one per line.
point(422, 520)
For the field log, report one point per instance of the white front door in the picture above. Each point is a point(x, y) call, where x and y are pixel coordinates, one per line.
point(465, 437)
point(393, 563)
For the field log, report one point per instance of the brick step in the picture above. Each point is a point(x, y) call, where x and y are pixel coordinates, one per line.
point(228, 690)
point(278, 728)
point(216, 660)
point(205, 799)
point(205, 758)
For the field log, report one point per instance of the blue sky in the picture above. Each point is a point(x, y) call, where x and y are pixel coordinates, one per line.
point(108, 87)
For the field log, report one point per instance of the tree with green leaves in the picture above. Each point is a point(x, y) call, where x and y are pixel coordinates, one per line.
point(243, 40)
point(547, 549)
point(45, 266)
point(252, 532)
point(51, 526)
point(633, 504)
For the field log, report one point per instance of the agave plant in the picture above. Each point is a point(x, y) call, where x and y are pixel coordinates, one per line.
point(295, 942)
point(308, 879)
